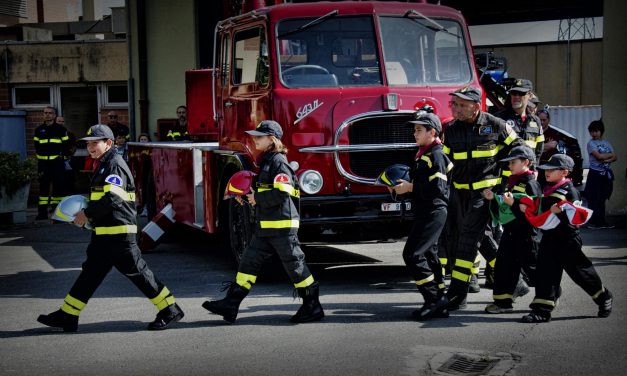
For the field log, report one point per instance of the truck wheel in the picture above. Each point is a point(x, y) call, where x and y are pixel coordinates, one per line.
point(241, 227)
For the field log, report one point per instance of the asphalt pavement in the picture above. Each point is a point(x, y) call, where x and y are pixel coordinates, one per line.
point(365, 290)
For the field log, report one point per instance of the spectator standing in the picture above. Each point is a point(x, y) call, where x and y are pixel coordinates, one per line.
point(599, 184)
point(558, 141)
point(179, 131)
point(117, 127)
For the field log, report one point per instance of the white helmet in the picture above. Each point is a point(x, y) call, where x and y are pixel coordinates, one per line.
point(68, 207)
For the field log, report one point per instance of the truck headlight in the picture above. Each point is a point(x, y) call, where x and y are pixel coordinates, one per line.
point(311, 182)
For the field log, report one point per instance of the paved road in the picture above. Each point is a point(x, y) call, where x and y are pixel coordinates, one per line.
point(365, 290)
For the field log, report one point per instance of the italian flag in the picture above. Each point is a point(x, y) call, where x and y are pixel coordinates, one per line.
point(577, 215)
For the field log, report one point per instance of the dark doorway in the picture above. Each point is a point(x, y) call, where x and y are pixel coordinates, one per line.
point(79, 107)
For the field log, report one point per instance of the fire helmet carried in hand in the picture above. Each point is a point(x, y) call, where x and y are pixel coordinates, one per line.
point(239, 184)
point(68, 207)
point(390, 176)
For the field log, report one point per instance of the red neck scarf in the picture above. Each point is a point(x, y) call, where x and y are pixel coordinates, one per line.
point(514, 179)
point(424, 149)
point(551, 188)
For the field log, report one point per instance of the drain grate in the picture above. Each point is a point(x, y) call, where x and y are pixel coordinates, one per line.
point(466, 365)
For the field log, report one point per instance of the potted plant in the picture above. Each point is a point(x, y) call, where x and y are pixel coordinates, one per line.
point(15, 178)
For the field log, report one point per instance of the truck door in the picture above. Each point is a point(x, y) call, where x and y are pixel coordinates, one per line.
point(246, 97)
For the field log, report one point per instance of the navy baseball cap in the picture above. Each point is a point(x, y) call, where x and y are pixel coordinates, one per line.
point(428, 120)
point(522, 85)
point(468, 93)
point(99, 132)
point(520, 152)
point(558, 162)
point(267, 128)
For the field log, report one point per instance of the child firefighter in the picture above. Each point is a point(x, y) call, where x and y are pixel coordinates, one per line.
point(277, 227)
point(430, 192)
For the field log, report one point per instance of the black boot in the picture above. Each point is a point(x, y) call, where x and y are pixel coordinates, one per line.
point(432, 309)
point(60, 319)
point(536, 317)
point(311, 310)
point(605, 304)
point(456, 294)
point(521, 289)
point(166, 316)
point(229, 306)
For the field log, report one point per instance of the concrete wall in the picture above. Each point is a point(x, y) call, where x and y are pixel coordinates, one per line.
point(615, 96)
point(60, 61)
point(171, 45)
point(547, 65)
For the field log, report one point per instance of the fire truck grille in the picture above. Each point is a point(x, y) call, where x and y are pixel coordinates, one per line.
point(379, 130)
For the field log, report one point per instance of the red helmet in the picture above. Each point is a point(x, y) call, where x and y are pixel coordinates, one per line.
point(239, 184)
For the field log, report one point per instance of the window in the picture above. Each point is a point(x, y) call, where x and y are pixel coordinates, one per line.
point(115, 95)
point(251, 57)
point(335, 51)
point(417, 53)
point(32, 96)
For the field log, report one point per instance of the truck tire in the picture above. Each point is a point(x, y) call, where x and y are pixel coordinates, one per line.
point(241, 227)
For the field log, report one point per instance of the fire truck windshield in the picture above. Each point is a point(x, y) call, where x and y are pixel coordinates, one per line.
point(342, 51)
point(417, 54)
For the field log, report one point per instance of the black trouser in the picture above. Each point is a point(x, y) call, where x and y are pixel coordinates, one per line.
point(558, 253)
point(51, 172)
point(105, 252)
point(466, 225)
point(421, 254)
point(490, 243)
point(516, 253)
point(286, 247)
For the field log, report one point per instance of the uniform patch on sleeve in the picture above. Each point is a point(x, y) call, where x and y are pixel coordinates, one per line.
point(282, 178)
point(114, 179)
point(485, 129)
point(562, 191)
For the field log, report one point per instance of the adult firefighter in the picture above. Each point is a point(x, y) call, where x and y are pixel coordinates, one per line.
point(474, 142)
point(52, 145)
point(277, 227)
point(111, 213)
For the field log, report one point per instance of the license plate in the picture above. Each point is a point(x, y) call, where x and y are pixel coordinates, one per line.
point(394, 206)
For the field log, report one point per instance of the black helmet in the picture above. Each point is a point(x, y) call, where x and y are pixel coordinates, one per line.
point(390, 176)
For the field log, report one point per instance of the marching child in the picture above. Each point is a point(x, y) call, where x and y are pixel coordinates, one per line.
point(518, 247)
point(430, 192)
point(277, 227)
point(560, 247)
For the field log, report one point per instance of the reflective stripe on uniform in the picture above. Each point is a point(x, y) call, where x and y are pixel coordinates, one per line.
point(596, 295)
point(543, 301)
point(446, 149)
point(518, 189)
point(438, 175)
point(124, 195)
point(464, 264)
point(287, 188)
point(531, 143)
point(449, 167)
point(47, 157)
point(282, 223)
point(480, 184)
point(511, 137)
point(305, 282)
point(506, 173)
point(502, 296)
point(561, 197)
point(492, 263)
point(540, 138)
point(72, 306)
point(426, 159)
point(460, 276)
point(245, 280)
point(114, 230)
point(423, 281)
point(164, 299)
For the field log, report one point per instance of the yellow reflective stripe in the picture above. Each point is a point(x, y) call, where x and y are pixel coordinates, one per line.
point(543, 301)
point(69, 299)
point(95, 196)
point(65, 138)
point(486, 183)
point(561, 197)
point(60, 214)
point(463, 155)
point(36, 139)
point(245, 280)
point(168, 301)
point(287, 188)
point(502, 296)
point(47, 157)
point(492, 263)
point(263, 189)
point(55, 140)
point(70, 310)
point(598, 293)
point(118, 191)
point(385, 179)
point(446, 149)
point(438, 175)
point(531, 143)
point(423, 281)
point(511, 137)
point(305, 282)
point(460, 276)
point(461, 186)
point(540, 138)
point(443, 261)
point(464, 263)
point(449, 167)
point(484, 153)
point(426, 159)
point(43, 200)
point(518, 189)
point(44, 141)
point(164, 292)
point(233, 189)
point(506, 173)
point(285, 223)
point(442, 286)
point(113, 230)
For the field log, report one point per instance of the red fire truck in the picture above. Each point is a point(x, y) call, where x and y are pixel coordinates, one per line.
point(341, 78)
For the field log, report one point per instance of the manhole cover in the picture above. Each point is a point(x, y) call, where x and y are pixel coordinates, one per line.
point(468, 365)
